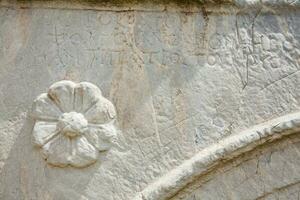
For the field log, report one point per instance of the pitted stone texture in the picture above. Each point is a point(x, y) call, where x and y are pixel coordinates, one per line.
point(180, 79)
point(70, 125)
point(268, 173)
point(217, 154)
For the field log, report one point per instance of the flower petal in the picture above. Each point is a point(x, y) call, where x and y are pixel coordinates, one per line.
point(86, 94)
point(43, 132)
point(83, 153)
point(57, 151)
point(101, 136)
point(62, 93)
point(44, 108)
point(103, 111)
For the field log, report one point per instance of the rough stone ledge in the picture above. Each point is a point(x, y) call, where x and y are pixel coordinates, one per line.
point(148, 5)
point(225, 149)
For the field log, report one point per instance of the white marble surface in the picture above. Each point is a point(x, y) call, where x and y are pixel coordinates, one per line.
point(268, 174)
point(73, 123)
point(180, 79)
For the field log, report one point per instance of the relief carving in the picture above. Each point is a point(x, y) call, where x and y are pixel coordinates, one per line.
point(226, 149)
point(74, 122)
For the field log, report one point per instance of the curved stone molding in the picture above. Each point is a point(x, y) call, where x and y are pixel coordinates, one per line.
point(73, 123)
point(226, 149)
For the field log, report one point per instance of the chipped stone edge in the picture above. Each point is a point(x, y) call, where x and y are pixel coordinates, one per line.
point(270, 3)
point(151, 5)
point(226, 149)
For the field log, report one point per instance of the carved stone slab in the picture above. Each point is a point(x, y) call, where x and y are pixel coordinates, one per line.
point(224, 150)
point(182, 78)
point(73, 123)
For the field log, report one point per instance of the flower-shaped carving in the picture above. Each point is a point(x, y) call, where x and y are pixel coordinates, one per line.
point(74, 122)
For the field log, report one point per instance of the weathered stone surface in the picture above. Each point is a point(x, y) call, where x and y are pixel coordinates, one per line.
point(181, 78)
point(73, 122)
point(268, 173)
point(221, 153)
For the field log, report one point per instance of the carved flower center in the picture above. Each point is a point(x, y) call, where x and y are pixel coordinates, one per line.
point(72, 124)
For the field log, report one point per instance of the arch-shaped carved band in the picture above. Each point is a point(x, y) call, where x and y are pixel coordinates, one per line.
point(226, 149)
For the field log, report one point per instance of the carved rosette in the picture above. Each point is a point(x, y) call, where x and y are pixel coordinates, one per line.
point(74, 122)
